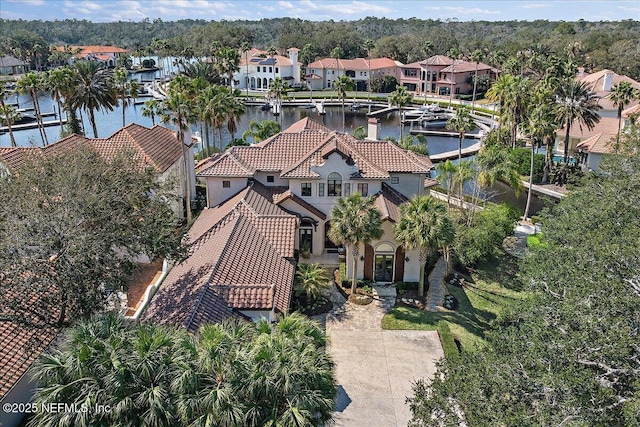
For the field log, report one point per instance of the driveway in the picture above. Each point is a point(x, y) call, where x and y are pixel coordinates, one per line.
point(375, 369)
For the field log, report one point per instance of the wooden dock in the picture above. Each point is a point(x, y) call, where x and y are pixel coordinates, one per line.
point(444, 133)
point(33, 125)
point(448, 155)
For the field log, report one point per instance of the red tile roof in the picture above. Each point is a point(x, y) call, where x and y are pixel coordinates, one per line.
point(388, 202)
point(20, 346)
point(294, 151)
point(599, 143)
point(240, 258)
point(438, 60)
point(156, 147)
point(460, 66)
point(606, 125)
point(353, 64)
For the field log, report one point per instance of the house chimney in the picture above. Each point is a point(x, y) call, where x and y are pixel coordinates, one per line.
point(607, 81)
point(373, 129)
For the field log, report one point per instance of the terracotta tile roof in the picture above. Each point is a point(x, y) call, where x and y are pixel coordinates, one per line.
point(10, 61)
point(388, 202)
point(460, 66)
point(606, 126)
point(156, 147)
point(599, 143)
point(626, 113)
point(238, 249)
point(95, 49)
point(289, 195)
point(595, 83)
point(20, 346)
point(353, 64)
point(295, 150)
point(430, 182)
point(438, 60)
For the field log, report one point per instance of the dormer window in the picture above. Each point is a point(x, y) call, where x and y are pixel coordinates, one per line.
point(334, 185)
point(269, 178)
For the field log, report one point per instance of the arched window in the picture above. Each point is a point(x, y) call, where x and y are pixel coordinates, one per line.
point(334, 184)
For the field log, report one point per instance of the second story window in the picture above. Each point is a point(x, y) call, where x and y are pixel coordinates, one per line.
point(269, 178)
point(321, 189)
point(334, 185)
point(395, 180)
point(363, 189)
point(277, 70)
point(305, 189)
point(226, 184)
point(347, 189)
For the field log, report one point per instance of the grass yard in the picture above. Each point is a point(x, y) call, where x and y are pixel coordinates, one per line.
point(490, 287)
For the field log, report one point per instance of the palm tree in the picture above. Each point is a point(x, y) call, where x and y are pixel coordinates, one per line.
point(152, 108)
point(59, 84)
point(234, 108)
point(424, 224)
point(342, 85)
point(277, 88)
point(417, 144)
point(31, 83)
point(461, 123)
point(245, 48)
point(125, 89)
point(621, 95)
point(260, 131)
point(93, 91)
point(9, 114)
point(178, 110)
point(513, 93)
point(576, 102)
point(476, 57)
point(369, 44)
point(311, 280)
point(446, 174)
point(355, 221)
point(400, 98)
point(337, 53)
point(539, 127)
point(272, 51)
point(227, 62)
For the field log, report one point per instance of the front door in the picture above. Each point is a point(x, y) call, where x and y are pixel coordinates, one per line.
point(384, 268)
point(306, 239)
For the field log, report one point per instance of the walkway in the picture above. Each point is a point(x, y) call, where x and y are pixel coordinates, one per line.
point(437, 286)
point(516, 245)
point(466, 152)
point(375, 369)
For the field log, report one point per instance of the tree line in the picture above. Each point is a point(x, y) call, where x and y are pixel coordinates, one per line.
point(602, 44)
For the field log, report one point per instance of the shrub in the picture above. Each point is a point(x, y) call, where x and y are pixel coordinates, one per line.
point(483, 239)
point(406, 286)
point(448, 342)
point(536, 240)
point(522, 160)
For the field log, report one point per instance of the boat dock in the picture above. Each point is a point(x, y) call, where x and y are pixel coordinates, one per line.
point(445, 133)
point(33, 125)
point(544, 191)
point(382, 111)
point(466, 152)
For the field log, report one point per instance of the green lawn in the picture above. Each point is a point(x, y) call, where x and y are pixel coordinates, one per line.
point(488, 290)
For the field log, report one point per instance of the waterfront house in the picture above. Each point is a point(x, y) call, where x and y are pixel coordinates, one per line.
point(270, 199)
point(258, 69)
point(592, 143)
point(438, 74)
point(602, 82)
point(322, 73)
point(10, 66)
point(155, 147)
point(108, 55)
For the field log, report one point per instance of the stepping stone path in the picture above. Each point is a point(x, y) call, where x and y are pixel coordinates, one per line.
point(437, 287)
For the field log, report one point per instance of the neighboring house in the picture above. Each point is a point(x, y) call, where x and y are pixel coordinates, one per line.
point(596, 147)
point(605, 130)
point(323, 73)
point(258, 69)
point(20, 346)
point(10, 65)
point(107, 55)
point(438, 74)
point(603, 82)
point(156, 147)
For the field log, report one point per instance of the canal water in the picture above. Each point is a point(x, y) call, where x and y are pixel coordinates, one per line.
point(110, 122)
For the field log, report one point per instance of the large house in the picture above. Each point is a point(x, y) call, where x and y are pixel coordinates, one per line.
point(108, 55)
point(258, 69)
point(323, 73)
point(590, 143)
point(271, 198)
point(156, 147)
point(602, 83)
point(438, 74)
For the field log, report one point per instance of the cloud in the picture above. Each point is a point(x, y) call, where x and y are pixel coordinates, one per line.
point(535, 5)
point(28, 2)
point(630, 9)
point(463, 10)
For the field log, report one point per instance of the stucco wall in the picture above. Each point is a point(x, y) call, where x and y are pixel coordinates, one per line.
point(217, 194)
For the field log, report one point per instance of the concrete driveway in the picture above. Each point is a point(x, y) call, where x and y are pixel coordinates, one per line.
point(375, 371)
